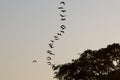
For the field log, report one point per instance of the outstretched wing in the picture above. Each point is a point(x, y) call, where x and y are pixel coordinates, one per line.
point(34, 61)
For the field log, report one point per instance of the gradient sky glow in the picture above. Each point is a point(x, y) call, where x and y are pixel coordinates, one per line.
point(27, 26)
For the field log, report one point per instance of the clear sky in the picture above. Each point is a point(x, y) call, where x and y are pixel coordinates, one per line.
point(27, 26)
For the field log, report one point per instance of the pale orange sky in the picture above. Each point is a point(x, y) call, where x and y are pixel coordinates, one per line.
point(26, 27)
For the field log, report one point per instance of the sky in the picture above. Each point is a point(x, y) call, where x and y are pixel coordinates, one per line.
point(27, 26)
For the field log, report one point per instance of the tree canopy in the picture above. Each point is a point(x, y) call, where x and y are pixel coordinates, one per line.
point(92, 65)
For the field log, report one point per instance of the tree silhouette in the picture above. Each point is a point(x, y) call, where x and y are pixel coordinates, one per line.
point(114, 75)
point(92, 65)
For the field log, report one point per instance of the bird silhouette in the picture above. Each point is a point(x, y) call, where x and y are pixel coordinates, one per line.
point(52, 41)
point(49, 63)
point(51, 45)
point(54, 67)
point(56, 37)
point(59, 34)
point(62, 31)
point(62, 2)
point(34, 61)
point(63, 19)
point(63, 11)
point(63, 27)
point(62, 15)
point(60, 8)
point(49, 58)
point(50, 52)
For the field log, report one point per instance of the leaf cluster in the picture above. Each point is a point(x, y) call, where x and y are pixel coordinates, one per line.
point(91, 65)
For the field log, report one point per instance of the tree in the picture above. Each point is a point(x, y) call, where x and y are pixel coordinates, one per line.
point(91, 65)
point(114, 75)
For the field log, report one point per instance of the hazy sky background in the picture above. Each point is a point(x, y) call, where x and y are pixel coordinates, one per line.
point(27, 26)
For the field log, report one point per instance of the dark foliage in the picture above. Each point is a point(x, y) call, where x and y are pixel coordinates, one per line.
point(114, 75)
point(92, 65)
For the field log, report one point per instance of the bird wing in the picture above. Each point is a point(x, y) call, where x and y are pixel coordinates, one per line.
point(34, 61)
point(62, 3)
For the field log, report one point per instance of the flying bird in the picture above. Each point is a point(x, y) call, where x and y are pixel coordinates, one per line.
point(63, 27)
point(34, 61)
point(62, 2)
point(54, 67)
point(59, 34)
point(56, 37)
point(50, 52)
point(62, 15)
point(62, 31)
point(60, 8)
point(51, 45)
point(52, 41)
point(49, 58)
point(63, 11)
point(63, 19)
point(49, 63)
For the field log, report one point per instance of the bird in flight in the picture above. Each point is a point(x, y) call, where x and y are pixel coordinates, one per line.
point(62, 31)
point(56, 37)
point(50, 52)
point(63, 11)
point(49, 58)
point(62, 15)
point(63, 19)
point(60, 8)
point(62, 2)
point(49, 63)
point(34, 61)
point(51, 45)
point(52, 41)
point(59, 34)
point(63, 27)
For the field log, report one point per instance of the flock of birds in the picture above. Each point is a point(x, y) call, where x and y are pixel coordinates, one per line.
point(62, 15)
point(57, 36)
